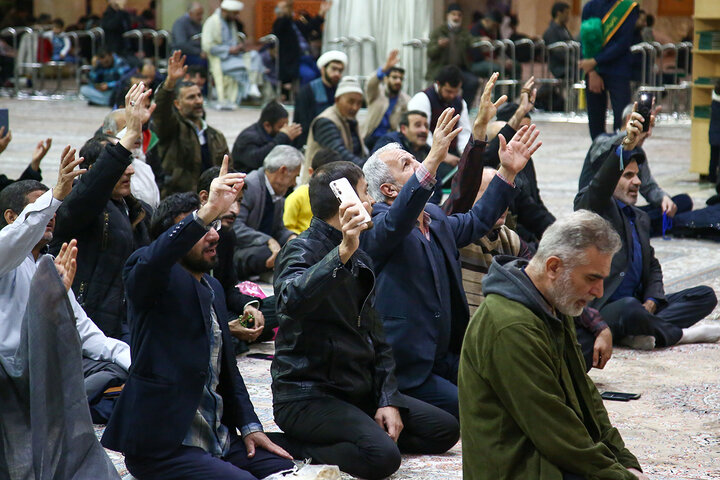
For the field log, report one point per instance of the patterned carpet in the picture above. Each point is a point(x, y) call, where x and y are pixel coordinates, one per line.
point(674, 428)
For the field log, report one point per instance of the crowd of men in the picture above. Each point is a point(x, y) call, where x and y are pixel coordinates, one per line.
point(462, 306)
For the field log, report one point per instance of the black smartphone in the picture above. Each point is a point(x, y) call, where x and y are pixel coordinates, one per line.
point(4, 119)
point(619, 396)
point(644, 108)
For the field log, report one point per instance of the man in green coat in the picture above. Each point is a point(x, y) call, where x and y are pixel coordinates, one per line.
point(527, 409)
point(450, 44)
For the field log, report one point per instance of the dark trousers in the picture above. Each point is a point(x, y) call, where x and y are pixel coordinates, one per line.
point(440, 388)
point(713, 167)
point(190, 463)
point(332, 431)
point(619, 90)
point(684, 204)
point(684, 309)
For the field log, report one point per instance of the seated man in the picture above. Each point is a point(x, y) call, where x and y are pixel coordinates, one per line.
point(425, 318)
point(528, 409)
point(633, 301)
point(659, 202)
point(387, 102)
point(450, 44)
point(186, 35)
point(187, 144)
point(186, 383)
point(259, 227)
point(104, 77)
point(229, 59)
point(557, 31)
point(337, 127)
point(443, 94)
point(319, 94)
point(32, 172)
point(334, 390)
point(530, 216)
point(254, 143)
point(297, 214)
point(107, 221)
point(28, 222)
point(241, 306)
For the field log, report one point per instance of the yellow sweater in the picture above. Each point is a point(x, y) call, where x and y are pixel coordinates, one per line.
point(297, 213)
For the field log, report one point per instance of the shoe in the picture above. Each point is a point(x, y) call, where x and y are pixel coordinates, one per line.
point(638, 342)
point(254, 91)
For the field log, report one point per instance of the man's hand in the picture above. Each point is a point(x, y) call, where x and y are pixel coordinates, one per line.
point(487, 109)
point(324, 8)
point(234, 50)
point(602, 349)
point(246, 334)
point(668, 206)
point(638, 474)
point(351, 218)
point(514, 155)
point(292, 130)
point(67, 173)
point(259, 439)
point(633, 130)
point(587, 64)
point(223, 192)
point(41, 150)
point(102, 86)
point(137, 113)
point(444, 134)
point(5, 138)
point(595, 82)
point(650, 306)
point(66, 263)
point(527, 103)
point(392, 60)
point(443, 42)
point(275, 248)
point(176, 69)
point(389, 419)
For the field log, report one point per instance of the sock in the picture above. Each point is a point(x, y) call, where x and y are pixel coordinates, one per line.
point(638, 342)
point(700, 334)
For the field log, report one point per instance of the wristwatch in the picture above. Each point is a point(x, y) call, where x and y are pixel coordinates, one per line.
point(626, 141)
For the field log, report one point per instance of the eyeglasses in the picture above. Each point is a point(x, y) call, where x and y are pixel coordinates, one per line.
point(217, 224)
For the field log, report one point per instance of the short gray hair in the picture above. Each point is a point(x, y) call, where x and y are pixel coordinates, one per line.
point(377, 172)
point(110, 126)
point(283, 156)
point(570, 237)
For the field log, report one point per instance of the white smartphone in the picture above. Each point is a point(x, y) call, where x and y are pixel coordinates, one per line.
point(345, 193)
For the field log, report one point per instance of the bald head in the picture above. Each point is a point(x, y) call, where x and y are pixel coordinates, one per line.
point(195, 12)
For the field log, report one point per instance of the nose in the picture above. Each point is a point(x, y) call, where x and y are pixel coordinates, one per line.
point(597, 289)
point(212, 236)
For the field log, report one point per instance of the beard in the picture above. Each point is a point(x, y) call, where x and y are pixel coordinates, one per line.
point(564, 297)
point(197, 264)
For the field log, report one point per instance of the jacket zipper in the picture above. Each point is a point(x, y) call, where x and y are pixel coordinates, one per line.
point(81, 292)
point(106, 225)
point(369, 293)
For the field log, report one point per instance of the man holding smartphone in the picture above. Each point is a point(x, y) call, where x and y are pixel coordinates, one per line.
point(334, 389)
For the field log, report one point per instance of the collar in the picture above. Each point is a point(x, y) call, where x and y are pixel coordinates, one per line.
point(425, 225)
point(321, 226)
point(270, 188)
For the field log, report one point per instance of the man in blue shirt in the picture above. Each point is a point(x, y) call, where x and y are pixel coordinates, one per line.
point(609, 71)
point(634, 303)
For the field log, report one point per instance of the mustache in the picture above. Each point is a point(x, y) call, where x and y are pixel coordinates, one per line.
point(211, 246)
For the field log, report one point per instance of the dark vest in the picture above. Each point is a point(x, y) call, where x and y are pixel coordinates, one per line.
point(437, 106)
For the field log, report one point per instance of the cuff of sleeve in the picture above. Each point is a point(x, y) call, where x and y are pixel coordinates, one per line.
point(653, 299)
point(380, 73)
point(252, 303)
point(505, 179)
point(426, 179)
point(246, 430)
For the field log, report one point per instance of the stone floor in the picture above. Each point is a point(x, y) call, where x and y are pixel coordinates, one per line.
point(674, 428)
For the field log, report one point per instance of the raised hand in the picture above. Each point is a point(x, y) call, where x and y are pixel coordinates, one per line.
point(633, 129)
point(351, 218)
point(67, 173)
point(223, 192)
point(41, 150)
point(292, 130)
point(392, 60)
point(514, 155)
point(66, 263)
point(137, 112)
point(176, 69)
point(443, 136)
point(527, 96)
point(5, 138)
point(487, 109)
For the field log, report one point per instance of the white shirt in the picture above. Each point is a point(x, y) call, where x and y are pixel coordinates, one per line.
point(17, 268)
point(143, 185)
point(420, 101)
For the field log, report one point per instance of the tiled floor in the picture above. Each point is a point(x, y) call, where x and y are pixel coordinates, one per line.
point(674, 428)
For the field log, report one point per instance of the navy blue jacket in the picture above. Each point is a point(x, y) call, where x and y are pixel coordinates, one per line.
point(407, 296)
point(169, 317)
point(615, 58)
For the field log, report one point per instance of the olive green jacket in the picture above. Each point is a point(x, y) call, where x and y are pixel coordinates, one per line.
point(439, 57)
point(528, 410)
point(179, 147)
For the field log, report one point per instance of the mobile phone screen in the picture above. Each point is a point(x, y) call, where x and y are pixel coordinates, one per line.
point(4, 119)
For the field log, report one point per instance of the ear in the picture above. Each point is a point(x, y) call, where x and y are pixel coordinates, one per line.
point(9, 216)
point(203, 194)
point(267, 126)
point(389, 190)
point(176, 102)
point(283, 169)
point(310, 171)
point(553, 265)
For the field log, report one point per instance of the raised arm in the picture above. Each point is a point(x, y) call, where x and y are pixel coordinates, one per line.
point(165, 121)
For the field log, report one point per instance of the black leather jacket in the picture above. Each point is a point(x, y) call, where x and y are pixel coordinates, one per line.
point(330, 341)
